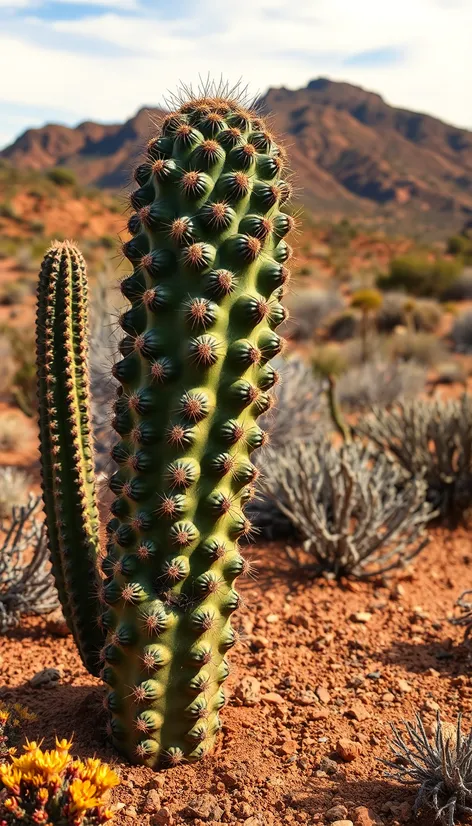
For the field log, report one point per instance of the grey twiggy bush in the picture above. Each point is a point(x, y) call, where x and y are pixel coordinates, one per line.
point(379, 382)
point(461, 333)
point(441, 766)
point(298, 401)
point(430, 439)
point(351, 506)
point(26, 584)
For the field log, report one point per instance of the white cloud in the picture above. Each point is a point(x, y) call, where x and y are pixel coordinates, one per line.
point(266, 42)
point(130, 5)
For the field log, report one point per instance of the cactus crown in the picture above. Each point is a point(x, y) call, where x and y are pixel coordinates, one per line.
point(208, 260)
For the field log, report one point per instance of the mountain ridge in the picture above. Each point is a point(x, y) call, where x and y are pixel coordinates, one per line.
point(351, 151)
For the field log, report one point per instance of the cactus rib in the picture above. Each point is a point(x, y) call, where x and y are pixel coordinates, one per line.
point(65, 444)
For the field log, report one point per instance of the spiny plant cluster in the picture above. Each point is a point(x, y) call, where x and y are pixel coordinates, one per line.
point(13, 718)
point(440, 765)
point(49, 787)
point(433, 440)
point(208, 257)
point(352, 506)
point(26, 584)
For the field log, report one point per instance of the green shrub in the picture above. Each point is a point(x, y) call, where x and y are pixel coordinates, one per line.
point(12, 293)
point(61, 176)
point(422, 348)
point(7, 210)
point(419, 276)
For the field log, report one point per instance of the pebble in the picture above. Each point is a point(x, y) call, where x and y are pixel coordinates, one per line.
point(273, 698)
point(342, 823)
point(205, 806)
point(271, 618)
point(403, 686)
point(162, 818)
point(388, 697)
point(431, 705)
point(248, 691)
point(347, 749)
point(319, 714)
point(323, 695)
point(366, 817)
point(306, 698)
point(329, 766)
point(47, 677)
point(358, 711)
point(152, 802)
point(361, 616)
point(336, 813)
point(56, 624)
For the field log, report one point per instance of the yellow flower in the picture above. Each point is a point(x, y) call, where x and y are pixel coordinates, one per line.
point(82, 794)
point(98, 773)
point(11, 778)
point(31, 747)
point(63, 745)
point(4, 715)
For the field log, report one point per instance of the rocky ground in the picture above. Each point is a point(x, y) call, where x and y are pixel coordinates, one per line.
point(322, 672)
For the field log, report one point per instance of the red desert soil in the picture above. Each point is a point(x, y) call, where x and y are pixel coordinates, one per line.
point(324, 674)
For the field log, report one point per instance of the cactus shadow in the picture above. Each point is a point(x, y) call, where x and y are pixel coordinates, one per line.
point(417, 658)
point(72, 711)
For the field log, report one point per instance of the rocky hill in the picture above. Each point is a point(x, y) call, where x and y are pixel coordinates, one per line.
point(350, 151)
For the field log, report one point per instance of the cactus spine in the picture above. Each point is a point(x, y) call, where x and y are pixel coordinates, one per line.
point(66, 445)
point(208, 256)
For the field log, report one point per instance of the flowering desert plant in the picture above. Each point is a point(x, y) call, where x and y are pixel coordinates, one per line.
point(13, 716)
point(49, 787)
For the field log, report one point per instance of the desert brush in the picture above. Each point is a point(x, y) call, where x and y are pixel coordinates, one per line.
point(441, 765)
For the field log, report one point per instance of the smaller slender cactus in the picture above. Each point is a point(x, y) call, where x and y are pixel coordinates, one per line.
point(66, 445)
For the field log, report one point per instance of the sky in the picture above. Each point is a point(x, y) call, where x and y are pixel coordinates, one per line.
point(66, 61)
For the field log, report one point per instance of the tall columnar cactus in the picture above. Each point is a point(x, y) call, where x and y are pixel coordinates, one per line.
point(208, 256)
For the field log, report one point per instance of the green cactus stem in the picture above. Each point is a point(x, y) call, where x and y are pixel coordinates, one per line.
point(208, 255)
point(66, 444)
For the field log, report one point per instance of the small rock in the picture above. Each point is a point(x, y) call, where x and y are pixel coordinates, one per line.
point(273, 698)
point(342, 823)
point(403, 686)
point(361, 616)
point(271, 618)
point(288, 747)
point(347, 749)
point(248, 691)
point(388, 697)
point(323, 695)
point(329, 766)
point(205, 807)
point(358, 711)
point(46, 677)
point(152, 802)
point(253, 821)
point(130, 812)
point(431, 705)
point(243, 810)
point(56, 624)
point(306, 698)
point(162, 818)
point(366, 817)
point(336, 813)
point(319, 714)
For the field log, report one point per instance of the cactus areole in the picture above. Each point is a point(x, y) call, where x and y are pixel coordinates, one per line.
point(208, 260)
